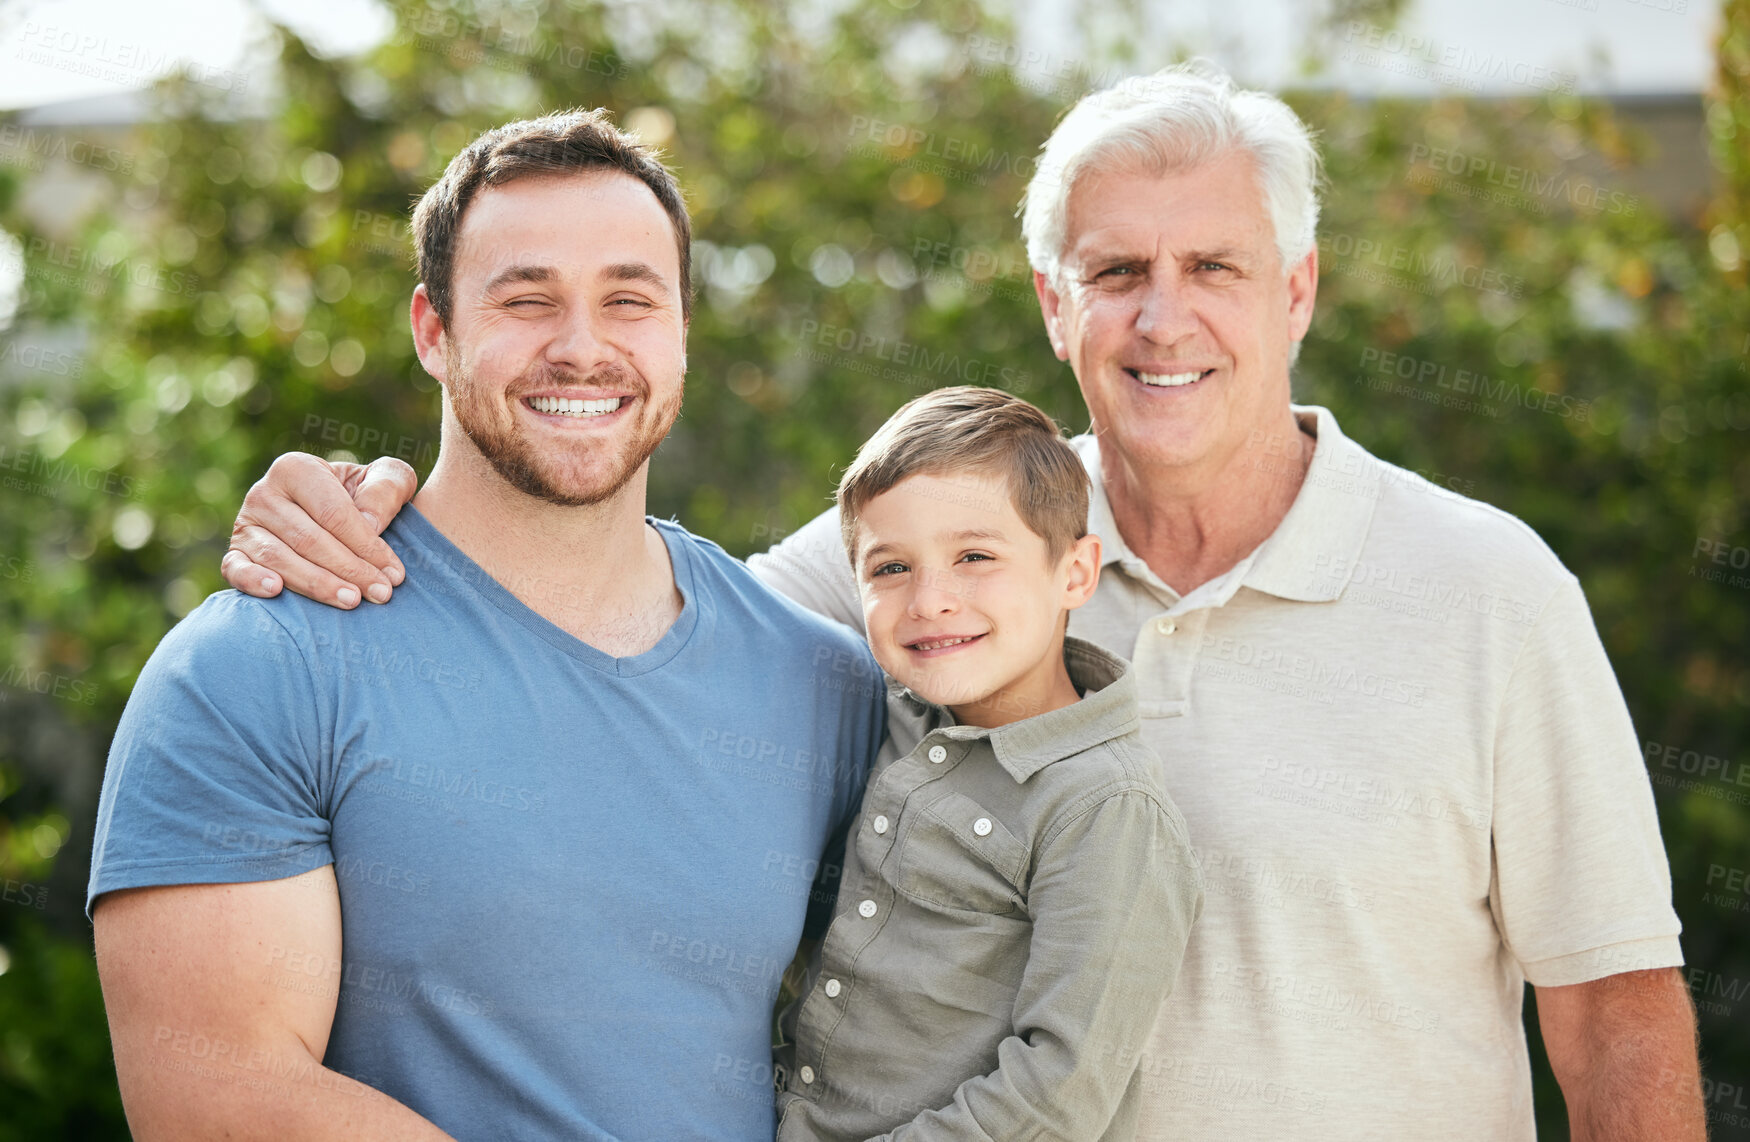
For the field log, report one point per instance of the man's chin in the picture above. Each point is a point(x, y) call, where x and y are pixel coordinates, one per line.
point(564, 487)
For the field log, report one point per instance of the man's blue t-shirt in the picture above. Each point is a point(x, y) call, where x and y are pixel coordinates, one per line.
point(569, 883)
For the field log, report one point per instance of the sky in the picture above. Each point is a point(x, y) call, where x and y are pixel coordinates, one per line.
point(53, 51)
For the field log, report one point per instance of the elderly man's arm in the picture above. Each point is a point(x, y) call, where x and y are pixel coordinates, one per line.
point(1624, 1049)
point(220, 999)
point(314, 525)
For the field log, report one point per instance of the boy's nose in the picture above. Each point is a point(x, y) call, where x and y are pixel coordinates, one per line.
point(931, 596)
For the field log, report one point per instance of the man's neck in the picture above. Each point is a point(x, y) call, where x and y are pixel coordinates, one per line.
point(1193, 524)
point(598, 572)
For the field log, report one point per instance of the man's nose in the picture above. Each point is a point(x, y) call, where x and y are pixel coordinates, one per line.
point(578, 344)
point(1167, 314)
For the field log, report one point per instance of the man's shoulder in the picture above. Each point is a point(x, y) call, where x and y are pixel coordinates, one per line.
point(1459, 537)
point(232, 637)
point(741, 597)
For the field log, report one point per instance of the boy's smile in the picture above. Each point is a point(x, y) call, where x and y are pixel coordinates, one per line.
point(963, 603)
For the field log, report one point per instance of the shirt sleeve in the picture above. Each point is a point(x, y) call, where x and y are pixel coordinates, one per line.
point(215, 772)
point(1582, 887)
point(810, 566)
point(1113, 897)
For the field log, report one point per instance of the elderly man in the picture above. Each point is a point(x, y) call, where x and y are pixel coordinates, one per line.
point(1401, 752)
point(492, 863)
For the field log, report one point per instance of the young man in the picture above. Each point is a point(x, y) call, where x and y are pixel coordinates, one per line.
point(1018, 888)
point(526, 855)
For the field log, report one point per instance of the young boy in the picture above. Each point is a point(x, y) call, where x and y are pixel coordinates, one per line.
point(1018, 888)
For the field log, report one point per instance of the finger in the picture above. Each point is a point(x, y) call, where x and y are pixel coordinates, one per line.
point(286, 524)
point(307, 577)
point(388, 485)
point(325, 494)
point(241, 573)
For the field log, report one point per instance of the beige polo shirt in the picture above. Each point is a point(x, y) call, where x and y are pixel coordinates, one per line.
point(1412, 785)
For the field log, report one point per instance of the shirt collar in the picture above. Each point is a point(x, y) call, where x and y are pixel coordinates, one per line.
point(1306, 559)
point(1107, 710)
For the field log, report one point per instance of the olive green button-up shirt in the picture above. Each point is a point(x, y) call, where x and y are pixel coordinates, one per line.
point(1014, 907)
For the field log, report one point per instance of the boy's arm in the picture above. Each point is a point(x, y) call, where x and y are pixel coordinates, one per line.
point(221, 998)
point(314, 526)
point(1113, 898)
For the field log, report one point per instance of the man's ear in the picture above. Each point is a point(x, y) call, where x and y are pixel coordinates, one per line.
point(1303, 289)
point(1082, 562)
point(1049, 303)
point(428, 333)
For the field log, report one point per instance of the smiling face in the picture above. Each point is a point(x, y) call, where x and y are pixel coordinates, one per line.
point(962, 601)
point(564, 358)
point(1174, 310)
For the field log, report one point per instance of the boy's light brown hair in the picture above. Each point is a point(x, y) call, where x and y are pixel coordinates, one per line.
point(975, 430)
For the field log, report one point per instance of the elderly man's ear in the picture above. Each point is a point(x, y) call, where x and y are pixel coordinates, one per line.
point(1048, 305)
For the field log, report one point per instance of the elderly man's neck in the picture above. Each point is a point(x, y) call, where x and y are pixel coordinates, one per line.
point(1193, 523)
point(597, 571)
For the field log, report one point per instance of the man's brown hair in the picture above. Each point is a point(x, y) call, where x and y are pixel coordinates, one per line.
point(978, 430)
point(565, 142)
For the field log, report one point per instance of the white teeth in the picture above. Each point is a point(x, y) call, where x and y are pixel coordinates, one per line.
point(941, 644)
point(1169, 380)
point(560, 406)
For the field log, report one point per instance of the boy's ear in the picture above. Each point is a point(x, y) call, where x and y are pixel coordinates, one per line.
point(1082, 564)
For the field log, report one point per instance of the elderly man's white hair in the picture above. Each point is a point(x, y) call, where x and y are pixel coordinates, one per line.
point(1172, 121)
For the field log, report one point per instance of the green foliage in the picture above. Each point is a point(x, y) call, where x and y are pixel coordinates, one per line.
point(853, 188)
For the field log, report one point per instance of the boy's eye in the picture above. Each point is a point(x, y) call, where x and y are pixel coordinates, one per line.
point(979, 555)
point(888, 569)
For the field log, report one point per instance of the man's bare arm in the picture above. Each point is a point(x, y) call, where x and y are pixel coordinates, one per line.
point(1625, 1052)
point(313, 525)
point(220, 1000)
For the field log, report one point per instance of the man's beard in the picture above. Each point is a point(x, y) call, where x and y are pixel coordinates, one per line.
point(559, 476)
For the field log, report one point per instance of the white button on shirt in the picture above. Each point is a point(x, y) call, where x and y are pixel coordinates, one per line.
point(938, 755)
point(866, 909)
point(1166, 625)
point(833, 987)
point(807, 1074)
point(879, 824)
point(982, 826)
